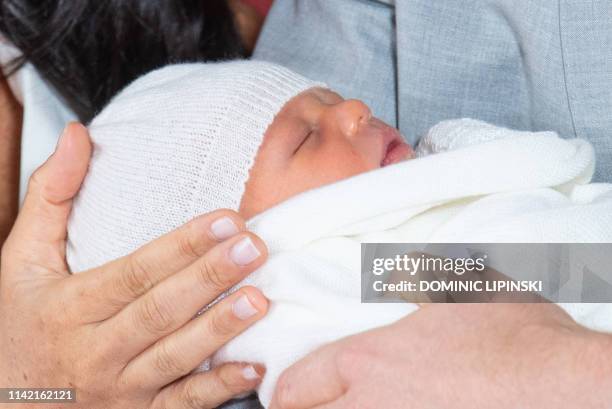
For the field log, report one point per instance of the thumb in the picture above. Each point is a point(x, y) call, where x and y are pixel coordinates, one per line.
point(318, 372)
point(39, 235)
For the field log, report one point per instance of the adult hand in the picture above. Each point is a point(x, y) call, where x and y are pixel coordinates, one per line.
point(458, 356)
point(123, 334)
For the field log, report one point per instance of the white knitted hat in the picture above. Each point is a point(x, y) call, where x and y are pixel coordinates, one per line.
point(176, 143)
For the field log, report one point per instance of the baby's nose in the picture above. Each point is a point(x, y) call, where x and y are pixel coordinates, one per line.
point(350, 114)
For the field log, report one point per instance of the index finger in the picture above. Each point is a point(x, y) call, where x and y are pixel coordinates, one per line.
point(120, 282)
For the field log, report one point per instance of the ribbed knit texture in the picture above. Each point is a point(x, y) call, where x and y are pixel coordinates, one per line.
point(176, 143)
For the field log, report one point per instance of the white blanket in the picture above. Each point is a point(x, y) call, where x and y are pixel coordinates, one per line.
point(483, 184)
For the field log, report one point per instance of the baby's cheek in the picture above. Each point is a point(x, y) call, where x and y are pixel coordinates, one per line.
point(341, 164)
point(350, 161)
point(264, 189)
point(321, 167)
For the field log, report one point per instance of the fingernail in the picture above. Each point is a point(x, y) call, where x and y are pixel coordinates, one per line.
point(250, 373)
point(244, 252)
point(243, 308)
point(224, 228)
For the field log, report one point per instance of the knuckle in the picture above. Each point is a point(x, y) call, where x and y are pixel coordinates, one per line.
point(135, 277)
point(186, 245)
point(210, 276)
point(166, 360)
point(121, 383)
point(192, 398)
point(358, 356)
point(220, 325)
point(36, 180)
point(159, 402)
point(283, 393)
point(229, 381)
point(154, 316)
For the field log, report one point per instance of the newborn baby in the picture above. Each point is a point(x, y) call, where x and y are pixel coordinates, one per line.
point(311, 170)
point(318, 138)
point(182, 141)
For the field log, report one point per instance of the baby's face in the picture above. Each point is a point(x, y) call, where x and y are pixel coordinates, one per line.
point(316, 139)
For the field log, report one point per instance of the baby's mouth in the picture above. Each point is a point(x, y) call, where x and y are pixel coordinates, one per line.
point(395, 149)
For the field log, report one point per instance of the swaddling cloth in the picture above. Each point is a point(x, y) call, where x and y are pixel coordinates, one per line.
point(483, 184)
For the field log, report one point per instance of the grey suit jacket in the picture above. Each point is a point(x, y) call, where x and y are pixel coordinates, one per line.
point(525, 64)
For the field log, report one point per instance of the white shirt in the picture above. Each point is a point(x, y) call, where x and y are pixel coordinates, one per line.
point(44, 115)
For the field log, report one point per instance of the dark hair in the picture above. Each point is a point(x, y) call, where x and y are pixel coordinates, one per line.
point(88, 50)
